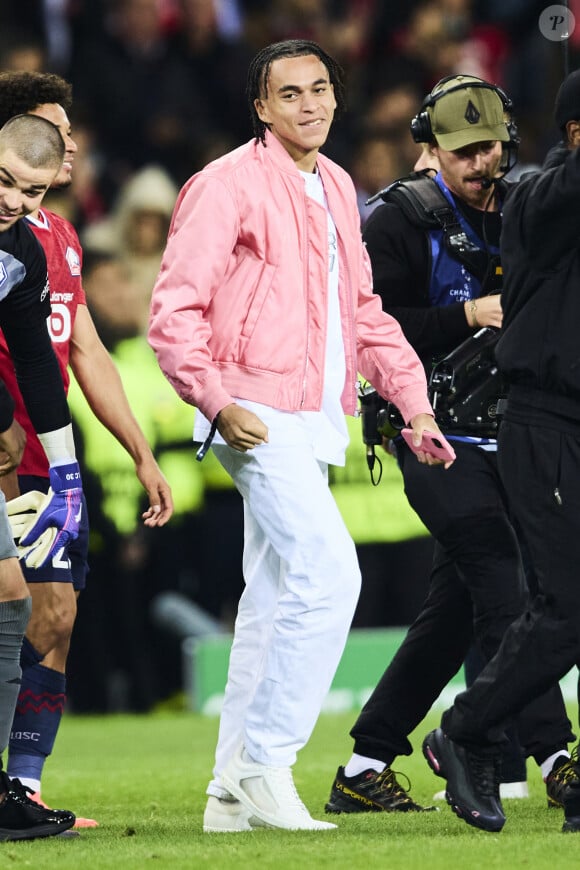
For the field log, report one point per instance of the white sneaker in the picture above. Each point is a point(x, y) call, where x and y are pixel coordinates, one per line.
point(225, 815)
point(269, 794)
point(506, 790)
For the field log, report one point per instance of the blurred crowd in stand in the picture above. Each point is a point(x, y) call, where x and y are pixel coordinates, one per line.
point(158, 89)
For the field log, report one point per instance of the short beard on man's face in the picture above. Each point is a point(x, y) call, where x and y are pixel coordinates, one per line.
point(61, 185)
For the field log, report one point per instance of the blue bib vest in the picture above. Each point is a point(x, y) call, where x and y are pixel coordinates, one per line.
point(450, 281)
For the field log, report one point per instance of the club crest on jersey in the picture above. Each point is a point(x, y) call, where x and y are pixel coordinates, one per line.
point(73, 260)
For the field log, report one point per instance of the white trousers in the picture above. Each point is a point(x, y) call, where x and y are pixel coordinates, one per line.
point(302, 585)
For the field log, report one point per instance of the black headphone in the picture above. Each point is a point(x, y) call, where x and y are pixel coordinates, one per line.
point(421, 129)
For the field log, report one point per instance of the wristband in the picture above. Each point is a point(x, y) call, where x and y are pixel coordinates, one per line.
point(473, 313)
point(63, 477)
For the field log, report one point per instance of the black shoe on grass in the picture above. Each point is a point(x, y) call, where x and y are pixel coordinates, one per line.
point(23, 819)
point(572, 810)
point(371, 792)
point(566, 775)
point(563, 779)
point(472, 780)
point(571, 825)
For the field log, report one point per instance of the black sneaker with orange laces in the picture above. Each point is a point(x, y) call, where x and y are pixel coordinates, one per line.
point(371, 792)
point(23, 819)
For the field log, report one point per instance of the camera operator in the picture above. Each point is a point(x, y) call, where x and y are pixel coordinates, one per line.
point(442, 280)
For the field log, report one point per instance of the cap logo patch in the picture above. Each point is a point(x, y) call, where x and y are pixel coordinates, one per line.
point(472, 116)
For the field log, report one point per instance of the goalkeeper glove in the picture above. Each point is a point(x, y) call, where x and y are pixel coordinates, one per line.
point(56, 519)
point(22, 512)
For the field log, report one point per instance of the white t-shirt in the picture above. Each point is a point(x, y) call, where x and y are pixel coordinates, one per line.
point(326, 429)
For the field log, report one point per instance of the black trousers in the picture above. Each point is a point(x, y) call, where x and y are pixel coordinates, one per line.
point(512, 759)
point(477, 588)
point(540, 467)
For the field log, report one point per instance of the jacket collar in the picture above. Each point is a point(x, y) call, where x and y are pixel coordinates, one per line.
point(556, 156)
point(278, 154)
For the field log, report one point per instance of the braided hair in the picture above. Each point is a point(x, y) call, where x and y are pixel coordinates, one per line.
point(259, 71)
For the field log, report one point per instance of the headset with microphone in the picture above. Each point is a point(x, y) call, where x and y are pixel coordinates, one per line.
point(422, 130)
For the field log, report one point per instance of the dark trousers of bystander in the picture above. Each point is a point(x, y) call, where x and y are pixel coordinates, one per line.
point(477, 589)
point(540, 467)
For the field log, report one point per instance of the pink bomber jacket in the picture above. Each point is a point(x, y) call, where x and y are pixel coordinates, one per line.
point(239, 308)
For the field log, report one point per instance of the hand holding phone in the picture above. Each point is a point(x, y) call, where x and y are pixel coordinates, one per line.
point(430, 443)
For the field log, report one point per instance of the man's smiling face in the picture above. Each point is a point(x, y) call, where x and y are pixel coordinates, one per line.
point(21, 188)
point(298, 106)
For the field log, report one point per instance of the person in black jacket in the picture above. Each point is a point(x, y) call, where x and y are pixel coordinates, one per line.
point(31, 153)
point(539, 463)
point(477, 586)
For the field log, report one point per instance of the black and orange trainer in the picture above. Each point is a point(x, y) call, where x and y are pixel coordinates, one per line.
point(371, 792)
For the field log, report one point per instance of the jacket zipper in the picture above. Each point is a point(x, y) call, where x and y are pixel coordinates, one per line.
point(307, 296)
point(350, 319)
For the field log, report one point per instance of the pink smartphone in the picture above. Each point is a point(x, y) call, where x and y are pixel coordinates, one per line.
point(430, 444)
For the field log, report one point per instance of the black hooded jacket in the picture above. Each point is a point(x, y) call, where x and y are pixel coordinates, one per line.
point(539, 349)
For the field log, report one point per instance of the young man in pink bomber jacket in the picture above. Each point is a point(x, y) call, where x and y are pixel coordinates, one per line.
point(261, 316)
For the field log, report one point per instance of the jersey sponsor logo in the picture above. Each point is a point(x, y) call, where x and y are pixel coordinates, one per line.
point(60, 323)
point(55, 296)
point(73, 260)
point(45, 291)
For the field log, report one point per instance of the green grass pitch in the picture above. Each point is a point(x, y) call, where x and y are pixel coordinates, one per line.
point(144, 777)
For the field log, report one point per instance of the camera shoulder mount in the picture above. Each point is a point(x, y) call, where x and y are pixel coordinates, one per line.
point(425, 206)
